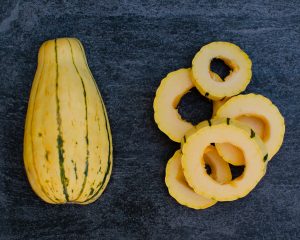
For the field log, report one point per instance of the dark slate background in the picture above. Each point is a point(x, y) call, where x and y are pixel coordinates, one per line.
point(131, 46)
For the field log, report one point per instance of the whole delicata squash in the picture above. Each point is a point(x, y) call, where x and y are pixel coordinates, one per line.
point(217, 131)
point(67, 141)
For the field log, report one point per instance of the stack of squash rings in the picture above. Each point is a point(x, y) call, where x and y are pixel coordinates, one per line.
point(245, 130)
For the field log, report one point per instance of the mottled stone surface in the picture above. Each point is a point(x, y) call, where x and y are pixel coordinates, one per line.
point(131, 46)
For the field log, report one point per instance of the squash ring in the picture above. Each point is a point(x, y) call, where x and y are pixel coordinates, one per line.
point(182, 192)
point(236, 82)
point(172, 88)
point(227, 151)
point(246, 106)
point(223, 130)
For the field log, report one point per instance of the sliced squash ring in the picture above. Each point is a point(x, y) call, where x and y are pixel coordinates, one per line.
point(253, 105)
point(223, 130)
point(232, 154)
point(220, 170)
point(234, 83)
point(182, 192)
point(168, 95)
point(227, 151)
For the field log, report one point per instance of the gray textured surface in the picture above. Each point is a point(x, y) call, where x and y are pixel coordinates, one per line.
point(131, 46)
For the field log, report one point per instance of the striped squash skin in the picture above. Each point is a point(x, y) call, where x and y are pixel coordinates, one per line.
point(67, 143)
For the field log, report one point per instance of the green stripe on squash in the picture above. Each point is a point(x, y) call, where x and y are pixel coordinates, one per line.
point(107, 171)
point(86, 125)
point(60, 141)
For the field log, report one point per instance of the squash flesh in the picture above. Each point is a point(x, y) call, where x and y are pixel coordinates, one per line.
point(227, 151)
point(179, 188)
point(220, 170)
point(234, 83)
point(269, 126)
point(218, 130)
point(168, 95)
point(217, 104)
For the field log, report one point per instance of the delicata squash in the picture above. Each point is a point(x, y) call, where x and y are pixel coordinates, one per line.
point(217, 131)
point(208, 84)
point(67, 141)
point(268, 123)
point(182, 192)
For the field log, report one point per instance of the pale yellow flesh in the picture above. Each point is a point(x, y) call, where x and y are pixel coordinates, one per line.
point(230, 153)
point(179, 189)
point(40, 143)
point(220, 131)
point(182, 192)
point(234, 155)
point(217, 104)
point(257, 112)
point(168, 95)
point(220, 170)
point(234, 83)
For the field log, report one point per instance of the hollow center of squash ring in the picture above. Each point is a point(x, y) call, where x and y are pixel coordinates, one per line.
point(193, 107)
point(208, 169)
point(236, 171)
point(221, 69)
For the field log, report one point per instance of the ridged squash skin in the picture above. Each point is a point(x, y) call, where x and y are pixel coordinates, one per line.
point(67, 140)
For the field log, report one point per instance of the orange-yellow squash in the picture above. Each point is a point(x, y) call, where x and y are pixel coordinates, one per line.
point(67, 140)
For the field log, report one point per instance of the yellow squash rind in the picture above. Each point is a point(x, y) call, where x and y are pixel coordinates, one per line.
point(67, 141)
